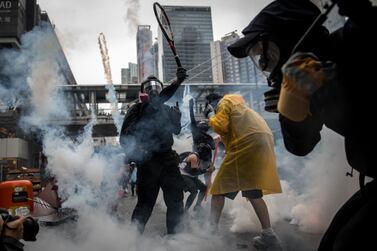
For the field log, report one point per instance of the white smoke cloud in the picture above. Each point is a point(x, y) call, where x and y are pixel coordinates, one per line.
point(115, 113)
point(314, 188)
point(132, 15)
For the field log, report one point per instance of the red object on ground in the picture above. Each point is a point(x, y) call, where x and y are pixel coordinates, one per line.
point(17, 196)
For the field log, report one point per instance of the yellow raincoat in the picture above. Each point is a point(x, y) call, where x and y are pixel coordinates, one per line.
point(250, 161)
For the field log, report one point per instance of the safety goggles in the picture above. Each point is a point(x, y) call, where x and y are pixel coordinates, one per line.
point(152, 87)
point(265, 54)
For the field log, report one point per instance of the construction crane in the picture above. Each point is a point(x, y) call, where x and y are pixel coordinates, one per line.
point(105, 58)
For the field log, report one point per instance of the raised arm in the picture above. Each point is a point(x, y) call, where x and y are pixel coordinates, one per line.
point(192, 115)
point(170, 90)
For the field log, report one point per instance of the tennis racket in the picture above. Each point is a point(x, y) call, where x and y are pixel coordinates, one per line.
point(164, 23)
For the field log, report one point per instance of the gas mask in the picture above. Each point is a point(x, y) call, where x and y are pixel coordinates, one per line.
point(265, 54)
point(150, 90)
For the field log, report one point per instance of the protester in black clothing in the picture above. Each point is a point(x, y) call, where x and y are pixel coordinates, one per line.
point(147, 137)
point(11, 233)
point(314, 93)
point(199, 130)
point(192, 165)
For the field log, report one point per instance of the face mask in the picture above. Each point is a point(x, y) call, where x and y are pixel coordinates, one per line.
point(265, 54)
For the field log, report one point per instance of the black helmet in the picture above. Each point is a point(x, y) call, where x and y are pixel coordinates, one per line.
point(270, 37)
point(151, 86)
point(204, 151)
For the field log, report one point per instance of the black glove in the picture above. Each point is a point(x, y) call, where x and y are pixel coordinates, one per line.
point(181, 74)
point(175, 109)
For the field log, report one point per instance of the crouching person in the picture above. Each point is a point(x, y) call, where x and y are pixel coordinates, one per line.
point(193, 165)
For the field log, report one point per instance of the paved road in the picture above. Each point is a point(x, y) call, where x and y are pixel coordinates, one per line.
point(104, 235)
point(293, 239)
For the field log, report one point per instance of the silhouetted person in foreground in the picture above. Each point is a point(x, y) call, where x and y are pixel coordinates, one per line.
point(328, 83)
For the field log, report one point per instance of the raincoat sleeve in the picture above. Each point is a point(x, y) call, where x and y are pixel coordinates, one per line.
point(220, 121)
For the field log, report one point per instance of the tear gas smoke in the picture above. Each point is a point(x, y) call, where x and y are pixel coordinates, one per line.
point(115, 114)
point(145, 57)
point(132, 15)
point(314, 188)
point(32, 74)
point(105, 58)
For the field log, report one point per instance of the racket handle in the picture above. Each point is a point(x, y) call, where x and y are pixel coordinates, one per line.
point(178, 61)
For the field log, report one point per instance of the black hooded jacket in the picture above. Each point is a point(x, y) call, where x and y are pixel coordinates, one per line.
point(148, 128)
point(346, 106)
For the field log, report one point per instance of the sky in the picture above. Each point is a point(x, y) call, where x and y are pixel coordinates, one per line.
point(79, 23)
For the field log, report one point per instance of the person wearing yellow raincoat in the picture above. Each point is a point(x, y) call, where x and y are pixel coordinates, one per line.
point(249, 164)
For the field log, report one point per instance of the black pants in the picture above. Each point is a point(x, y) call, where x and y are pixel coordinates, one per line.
point(193, 185)
point(133, 186)
point(353, 227)
point(160, 171)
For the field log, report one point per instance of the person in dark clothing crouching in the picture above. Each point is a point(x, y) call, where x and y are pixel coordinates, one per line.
point(193, 165)
point(147, 137)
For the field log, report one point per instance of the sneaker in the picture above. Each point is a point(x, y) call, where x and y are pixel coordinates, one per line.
point(267, 241)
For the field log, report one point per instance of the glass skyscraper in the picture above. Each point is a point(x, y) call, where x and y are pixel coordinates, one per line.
point(230, 69)
point(192, 27)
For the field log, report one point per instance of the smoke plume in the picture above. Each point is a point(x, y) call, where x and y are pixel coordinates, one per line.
point(132, 15)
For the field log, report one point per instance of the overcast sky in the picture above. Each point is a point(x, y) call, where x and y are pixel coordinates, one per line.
point(79, 22)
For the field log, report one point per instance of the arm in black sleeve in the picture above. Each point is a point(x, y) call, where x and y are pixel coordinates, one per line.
point(175, 119)
point(195, 131)
point(192, 115)
point(170, 90)
point(300, 137)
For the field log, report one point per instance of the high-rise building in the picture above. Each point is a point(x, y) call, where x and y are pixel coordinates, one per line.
point(129, 75)
point(229, 69)
point(145, 59)
point(192, 28)
point(20, 16)
point(217, 66)
point(125, 76)
point(155, 59)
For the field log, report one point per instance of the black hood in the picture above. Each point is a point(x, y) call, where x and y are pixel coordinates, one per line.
point(287, 19)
